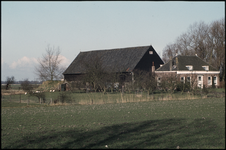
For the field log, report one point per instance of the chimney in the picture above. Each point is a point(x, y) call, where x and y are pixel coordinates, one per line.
point(170, 64)
point(177, 63)
point(153, 67)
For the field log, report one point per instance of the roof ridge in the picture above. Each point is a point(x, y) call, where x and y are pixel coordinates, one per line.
point(116, 48)
point(206, 62)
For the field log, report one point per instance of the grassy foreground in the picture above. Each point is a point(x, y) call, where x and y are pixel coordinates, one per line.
point(198, 123)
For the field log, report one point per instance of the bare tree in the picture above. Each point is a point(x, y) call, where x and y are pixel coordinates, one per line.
point(169, 52)
point(205, 40)
point(49, 65)
point(168, 83)
point(94, 72)
point(115, 75)
point(76, 85)
point(144, 80)
point(217, 40)
point(149, 82)
point(26, 86)
point(9, 81)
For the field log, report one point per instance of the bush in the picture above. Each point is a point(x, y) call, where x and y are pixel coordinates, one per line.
point(205, 90)
point(26, 86)
point(222, 84)
point(183, 86)
point(39, 95)
point(64, 97)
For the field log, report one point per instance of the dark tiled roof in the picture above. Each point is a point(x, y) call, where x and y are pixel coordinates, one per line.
point(195, 61)
point(124, 59)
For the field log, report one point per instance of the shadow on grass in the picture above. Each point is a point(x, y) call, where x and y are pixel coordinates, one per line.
point(165, 133)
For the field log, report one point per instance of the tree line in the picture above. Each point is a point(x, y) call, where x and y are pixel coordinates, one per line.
point(205, 40)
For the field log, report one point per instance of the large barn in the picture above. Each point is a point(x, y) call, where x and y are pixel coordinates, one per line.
point(124, 60)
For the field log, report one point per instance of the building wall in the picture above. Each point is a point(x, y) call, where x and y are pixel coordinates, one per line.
point(72, 77)
point(194, 77)
point(146, 61)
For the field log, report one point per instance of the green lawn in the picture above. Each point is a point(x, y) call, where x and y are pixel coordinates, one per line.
point(189, 124)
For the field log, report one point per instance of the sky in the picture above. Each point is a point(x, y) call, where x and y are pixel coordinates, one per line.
point(27, 28)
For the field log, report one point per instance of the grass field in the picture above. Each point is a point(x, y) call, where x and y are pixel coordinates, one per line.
point(99, 98)
point(198, 123)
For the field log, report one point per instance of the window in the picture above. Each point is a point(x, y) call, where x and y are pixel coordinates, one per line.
point(150, 52)
point(200, 81)
point(215, 80)
point(209, 81)
point(182, 79)
point(189, 67)
point(158, 81)
point(188, 79)
point(205, 68)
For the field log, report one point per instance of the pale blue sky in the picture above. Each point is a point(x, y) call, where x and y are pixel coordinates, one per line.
point(28, 27)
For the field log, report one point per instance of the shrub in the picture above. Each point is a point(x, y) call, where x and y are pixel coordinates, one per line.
point(26, 86)
point(39, 95)
point(64, 97)
point(205, 90)
point(183, 86)
point(222, 84)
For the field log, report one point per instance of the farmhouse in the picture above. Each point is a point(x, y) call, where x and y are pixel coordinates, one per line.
point(190, 68)
point(123, 60)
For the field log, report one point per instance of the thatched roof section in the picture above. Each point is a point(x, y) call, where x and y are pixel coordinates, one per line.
point(121, 59)
point(183, 61)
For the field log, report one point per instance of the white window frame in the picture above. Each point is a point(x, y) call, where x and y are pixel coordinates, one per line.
point(158, 81)
point(215, 80)
point(182, 80)
point(206, 68)
point(189, 79)
point(200, 81)
point(189, 67)
point(150, 52)
point(209, 81)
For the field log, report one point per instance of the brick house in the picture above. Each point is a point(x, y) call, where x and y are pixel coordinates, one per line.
point(190, 68)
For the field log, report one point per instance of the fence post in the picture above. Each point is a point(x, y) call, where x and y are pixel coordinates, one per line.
point(20, 98)
point(51, 100)
point(39, 100)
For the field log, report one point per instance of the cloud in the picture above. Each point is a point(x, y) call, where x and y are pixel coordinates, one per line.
point(24, 68)
point(24, 62)
point(31, 62)
point(64, 61)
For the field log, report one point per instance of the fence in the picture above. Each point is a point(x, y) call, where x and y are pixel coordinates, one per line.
point(98, 98)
